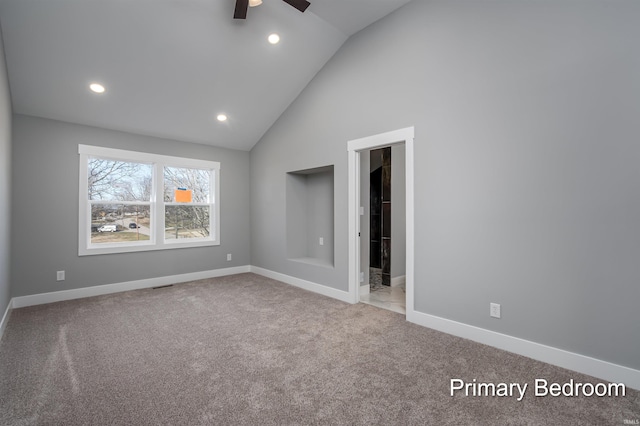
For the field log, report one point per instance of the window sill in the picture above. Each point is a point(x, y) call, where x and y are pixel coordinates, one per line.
point(145, 247)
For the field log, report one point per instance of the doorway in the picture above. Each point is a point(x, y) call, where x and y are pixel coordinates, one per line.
point(355, 148)
point(379, 201)
point(382, 228)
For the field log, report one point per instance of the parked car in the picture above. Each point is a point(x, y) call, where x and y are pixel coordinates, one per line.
point(108, 228)
point(133, 226)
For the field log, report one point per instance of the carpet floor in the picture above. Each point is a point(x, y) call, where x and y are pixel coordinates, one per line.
point(247, 350)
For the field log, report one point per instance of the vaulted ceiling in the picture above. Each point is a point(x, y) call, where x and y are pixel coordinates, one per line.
point(171, 66)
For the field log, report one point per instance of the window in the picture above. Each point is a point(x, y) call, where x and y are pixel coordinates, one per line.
point(133, 201)
point(190, 217)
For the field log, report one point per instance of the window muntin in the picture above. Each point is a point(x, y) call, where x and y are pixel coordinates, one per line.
point(128, 201)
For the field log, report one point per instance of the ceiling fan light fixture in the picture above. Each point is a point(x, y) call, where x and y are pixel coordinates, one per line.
point(240, 11)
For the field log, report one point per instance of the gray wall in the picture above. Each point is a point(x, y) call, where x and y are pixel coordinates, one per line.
point(526, 155)
point(5, 182)
point(45, 210)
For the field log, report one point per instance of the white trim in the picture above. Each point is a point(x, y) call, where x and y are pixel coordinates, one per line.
point(395, 137)
point(382, 139)
point(5, 318)
point(353, 224)
point(147, 158)
point(410, 225)
point(365, 289)
point(583, 364)
point(397, 281)
point(572, 361)
point(304, 284)
point(78, 293)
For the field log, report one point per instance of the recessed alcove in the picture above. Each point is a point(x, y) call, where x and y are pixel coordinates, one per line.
point(310, 216)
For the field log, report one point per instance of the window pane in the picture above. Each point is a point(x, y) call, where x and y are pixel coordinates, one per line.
point(186, 222)
point(196, 180)
point(117, 223)
point(113, 180)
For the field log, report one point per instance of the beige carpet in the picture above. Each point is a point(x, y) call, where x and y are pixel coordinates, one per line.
point(246, 350)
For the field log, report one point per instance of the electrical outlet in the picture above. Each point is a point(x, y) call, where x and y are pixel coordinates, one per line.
point(228, 257)
point(321, 241)
point(361, 277)
point(494, 310)
point(60, 276)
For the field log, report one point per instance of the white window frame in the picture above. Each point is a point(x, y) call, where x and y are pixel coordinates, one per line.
point(157, 204)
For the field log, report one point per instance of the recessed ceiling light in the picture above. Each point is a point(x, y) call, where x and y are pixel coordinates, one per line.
point(221, 117)
point(274, 38)
point(97, 88)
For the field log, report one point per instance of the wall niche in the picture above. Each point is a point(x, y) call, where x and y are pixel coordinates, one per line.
point(310, 216)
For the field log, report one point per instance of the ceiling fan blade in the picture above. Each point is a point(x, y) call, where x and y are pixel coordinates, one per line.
point(301, 5)
point(241, 9)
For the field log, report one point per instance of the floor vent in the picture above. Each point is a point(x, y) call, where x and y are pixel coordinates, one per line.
point(162, 286)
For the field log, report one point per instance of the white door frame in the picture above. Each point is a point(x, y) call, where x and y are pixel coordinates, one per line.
point(354, 147)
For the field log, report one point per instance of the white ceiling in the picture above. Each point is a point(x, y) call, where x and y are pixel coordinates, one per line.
point(170, 66)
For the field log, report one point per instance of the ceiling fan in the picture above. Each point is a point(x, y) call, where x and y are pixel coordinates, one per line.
point(243, 5)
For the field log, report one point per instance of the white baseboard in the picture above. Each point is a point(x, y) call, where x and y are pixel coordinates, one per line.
point(572, 361)
point(304, 284)
point(398, 281)
point(365, 289)
point(5, 318)
point(58, 296)
point(583, 364)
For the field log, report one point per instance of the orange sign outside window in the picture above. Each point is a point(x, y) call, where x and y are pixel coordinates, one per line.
point(183, 195)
